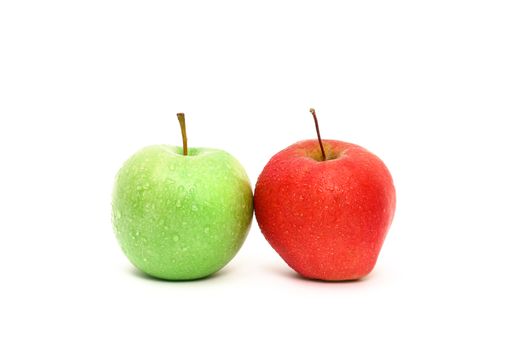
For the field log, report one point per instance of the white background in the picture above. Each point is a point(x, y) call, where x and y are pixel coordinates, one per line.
point(435, 88)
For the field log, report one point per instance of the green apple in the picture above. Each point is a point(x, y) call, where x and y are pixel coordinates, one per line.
point(180, 213)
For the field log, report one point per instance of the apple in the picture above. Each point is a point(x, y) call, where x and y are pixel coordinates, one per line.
point(179, 213)
point(325, 206)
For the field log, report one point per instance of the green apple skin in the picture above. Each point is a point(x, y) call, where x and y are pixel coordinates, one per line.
point(181, 217)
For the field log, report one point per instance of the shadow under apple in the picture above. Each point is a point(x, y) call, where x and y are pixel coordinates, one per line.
point(289, 273)
point(139, 274)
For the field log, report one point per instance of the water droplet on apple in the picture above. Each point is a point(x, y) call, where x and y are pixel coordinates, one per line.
point(184, 249)
point(194, 207)
point(118, 214)
point(207, 230)
point(150, 206)
point(175, 238)
point(178, 204)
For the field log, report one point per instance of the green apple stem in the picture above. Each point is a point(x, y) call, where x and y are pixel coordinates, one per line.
point(318, 133)
point(182, 122)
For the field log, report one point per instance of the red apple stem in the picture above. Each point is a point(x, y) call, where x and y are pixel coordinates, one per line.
point(318, 133)
point(182, 123)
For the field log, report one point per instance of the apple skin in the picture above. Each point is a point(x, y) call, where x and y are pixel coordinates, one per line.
point(326, 219)
point(181, 217)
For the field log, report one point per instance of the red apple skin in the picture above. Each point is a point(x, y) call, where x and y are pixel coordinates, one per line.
point(326, 219)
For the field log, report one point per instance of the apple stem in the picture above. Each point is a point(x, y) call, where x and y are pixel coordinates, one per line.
point(182, 122)
point(318, 133)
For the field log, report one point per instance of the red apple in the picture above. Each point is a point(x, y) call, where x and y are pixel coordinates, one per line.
point(325, 207)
